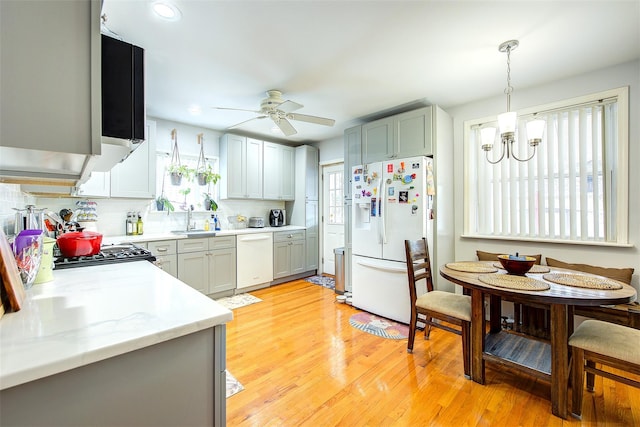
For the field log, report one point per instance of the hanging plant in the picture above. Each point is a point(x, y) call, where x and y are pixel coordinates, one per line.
point(176, 168)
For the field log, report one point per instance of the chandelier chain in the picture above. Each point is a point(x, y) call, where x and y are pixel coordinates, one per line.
point(509, 89)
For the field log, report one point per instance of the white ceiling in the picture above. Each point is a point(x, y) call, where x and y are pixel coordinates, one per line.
point(350, 60)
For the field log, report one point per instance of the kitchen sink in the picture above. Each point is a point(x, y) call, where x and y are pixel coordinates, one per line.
point(195, 233)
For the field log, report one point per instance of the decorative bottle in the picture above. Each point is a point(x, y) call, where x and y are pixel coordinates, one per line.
point(139, 225)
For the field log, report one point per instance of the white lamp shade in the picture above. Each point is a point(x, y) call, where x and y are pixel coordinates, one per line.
point(535, 129)
point(507, 122)
point(487, 135)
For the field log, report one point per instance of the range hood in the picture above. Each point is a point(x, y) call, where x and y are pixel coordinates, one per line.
point(50, 172)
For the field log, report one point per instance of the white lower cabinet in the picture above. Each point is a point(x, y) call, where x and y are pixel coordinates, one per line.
point(166, 256)
point(208, 265)
point(289, 254)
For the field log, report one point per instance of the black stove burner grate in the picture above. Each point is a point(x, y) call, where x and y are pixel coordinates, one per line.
point(108, 254)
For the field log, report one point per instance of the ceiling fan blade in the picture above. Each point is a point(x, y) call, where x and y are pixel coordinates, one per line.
point(289, 106)
point(285, 126)
point(237, 109)
point(311, 119)
point(246, 121)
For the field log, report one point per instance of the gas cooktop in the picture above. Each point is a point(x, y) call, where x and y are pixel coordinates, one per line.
point(108, 254)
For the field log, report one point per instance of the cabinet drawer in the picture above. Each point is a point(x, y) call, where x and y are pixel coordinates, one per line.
point(163, 247)
point(222, 242)
point(286, 236)
point(192, 245)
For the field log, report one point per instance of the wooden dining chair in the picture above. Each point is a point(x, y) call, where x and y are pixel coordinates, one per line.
point(608, 344)
point(434, 306)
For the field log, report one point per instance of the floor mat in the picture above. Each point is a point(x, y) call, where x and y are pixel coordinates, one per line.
point(237, 301)
point(324, 281)
point(233, 385)
point(379, 326)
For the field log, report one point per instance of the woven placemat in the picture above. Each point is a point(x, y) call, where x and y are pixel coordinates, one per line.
point(509, 281)
point(582, 281)
point(472, 267)
point(536, 269)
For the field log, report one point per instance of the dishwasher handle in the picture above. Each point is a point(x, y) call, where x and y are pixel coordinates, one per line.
point(252, 238)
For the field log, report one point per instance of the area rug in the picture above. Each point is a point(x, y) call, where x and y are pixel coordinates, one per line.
point(324, 281)
point(233, 385)
point(237, 301)
point(379, 326)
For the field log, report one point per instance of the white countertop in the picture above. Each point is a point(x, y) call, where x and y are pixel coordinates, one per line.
point(93, 313)
point(151, 237)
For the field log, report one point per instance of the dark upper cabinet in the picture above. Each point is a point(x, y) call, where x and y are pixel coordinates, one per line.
point(123, 106)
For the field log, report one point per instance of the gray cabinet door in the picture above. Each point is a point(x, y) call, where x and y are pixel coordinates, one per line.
point(377, 140)
point(281, 259)
point(222, 270)
point(298, 256)
point(412, 133)
point(193, 269)
point(352, 156)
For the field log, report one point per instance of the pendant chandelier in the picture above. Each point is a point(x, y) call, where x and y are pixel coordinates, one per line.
point(508, 121)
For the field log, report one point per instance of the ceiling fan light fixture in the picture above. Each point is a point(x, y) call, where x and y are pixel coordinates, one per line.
point(166, 10)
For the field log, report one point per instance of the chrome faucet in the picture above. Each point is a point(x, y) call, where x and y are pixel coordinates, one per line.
point(190, 225)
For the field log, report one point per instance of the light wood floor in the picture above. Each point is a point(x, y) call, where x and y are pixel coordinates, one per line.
point(302, 364)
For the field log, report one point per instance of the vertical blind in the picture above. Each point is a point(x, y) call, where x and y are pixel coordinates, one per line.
point(566, 192)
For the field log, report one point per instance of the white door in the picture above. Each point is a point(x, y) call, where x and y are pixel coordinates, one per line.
point(332, 214)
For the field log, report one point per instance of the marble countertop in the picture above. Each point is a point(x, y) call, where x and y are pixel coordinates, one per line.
point(93, 313)
point(151, 237)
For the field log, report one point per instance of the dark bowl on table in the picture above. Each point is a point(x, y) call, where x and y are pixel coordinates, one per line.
point(517, 266)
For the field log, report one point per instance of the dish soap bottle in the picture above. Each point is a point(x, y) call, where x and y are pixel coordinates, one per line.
point(216, 224)
point(206, 225)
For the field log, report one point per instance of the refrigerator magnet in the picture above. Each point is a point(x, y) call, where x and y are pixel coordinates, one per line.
point(391, 191)
point(403, 196)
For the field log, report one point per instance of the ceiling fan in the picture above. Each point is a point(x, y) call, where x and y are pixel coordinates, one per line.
point(280, 111)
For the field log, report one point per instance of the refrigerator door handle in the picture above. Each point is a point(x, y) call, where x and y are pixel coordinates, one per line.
point(377, 266)
point(382, 211)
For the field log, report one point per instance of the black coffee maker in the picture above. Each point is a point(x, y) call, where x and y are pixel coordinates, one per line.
point(277, 217)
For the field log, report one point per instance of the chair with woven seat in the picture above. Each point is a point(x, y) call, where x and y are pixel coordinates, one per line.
point(435, 305)
point(608, 344)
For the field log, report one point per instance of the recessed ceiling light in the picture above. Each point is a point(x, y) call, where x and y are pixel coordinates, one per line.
point(166, 10)
point(195, 110)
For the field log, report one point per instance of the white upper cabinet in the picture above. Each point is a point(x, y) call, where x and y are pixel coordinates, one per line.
point(240, 167)
point(404, 135)
point(135, 177)
point(279, 169)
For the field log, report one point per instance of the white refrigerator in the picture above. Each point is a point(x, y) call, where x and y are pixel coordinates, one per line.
point(392, 202)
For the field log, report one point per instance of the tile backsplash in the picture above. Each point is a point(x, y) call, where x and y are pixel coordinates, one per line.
point(11, 197)
point(112, 212)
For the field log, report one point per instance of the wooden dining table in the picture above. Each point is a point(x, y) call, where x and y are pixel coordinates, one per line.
point(506, 349)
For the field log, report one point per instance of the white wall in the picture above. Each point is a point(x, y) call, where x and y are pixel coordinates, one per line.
point(622, 75)
point(331, 150)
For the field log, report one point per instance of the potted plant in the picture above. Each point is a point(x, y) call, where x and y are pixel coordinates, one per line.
point(162, 203)
point(177, 171)
point(206, 176)
point(209, 203)
point(185, 192)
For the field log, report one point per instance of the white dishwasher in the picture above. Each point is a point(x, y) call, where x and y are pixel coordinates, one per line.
point(255, 259)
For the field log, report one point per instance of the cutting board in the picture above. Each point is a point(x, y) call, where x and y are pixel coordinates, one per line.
point(12, 289)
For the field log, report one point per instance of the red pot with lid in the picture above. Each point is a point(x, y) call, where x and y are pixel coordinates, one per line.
point(79, 243)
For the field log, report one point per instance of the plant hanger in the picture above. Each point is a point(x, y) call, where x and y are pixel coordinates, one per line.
point(175, 154)
point(175, 168)
point(201, 166)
